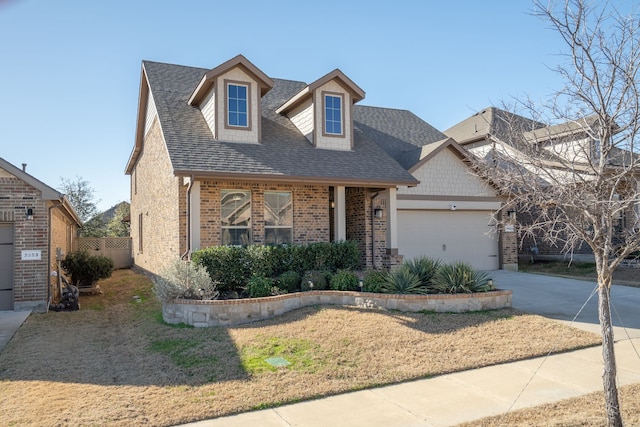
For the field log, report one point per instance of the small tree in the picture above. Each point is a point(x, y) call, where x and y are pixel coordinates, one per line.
point(81, 196)
point(576, 181)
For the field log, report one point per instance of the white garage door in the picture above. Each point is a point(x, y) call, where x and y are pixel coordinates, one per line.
point(449, 236)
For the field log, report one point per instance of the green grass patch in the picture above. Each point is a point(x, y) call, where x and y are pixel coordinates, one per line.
point(303, 354)
point(184, 353)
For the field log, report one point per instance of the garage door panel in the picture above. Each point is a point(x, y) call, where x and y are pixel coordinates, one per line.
point(449, 236)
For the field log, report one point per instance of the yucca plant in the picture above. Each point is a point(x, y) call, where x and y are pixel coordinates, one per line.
point(459, 277)
point(403, 281)
point(423, 267)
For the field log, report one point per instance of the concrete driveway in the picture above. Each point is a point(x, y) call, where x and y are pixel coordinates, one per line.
point(564, 299)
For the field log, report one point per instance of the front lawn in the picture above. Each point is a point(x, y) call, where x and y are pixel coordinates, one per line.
point(115, 363)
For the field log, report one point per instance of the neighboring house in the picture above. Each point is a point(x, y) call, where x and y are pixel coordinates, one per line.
point(37, 224)
point(231, 156)
point(568, 147)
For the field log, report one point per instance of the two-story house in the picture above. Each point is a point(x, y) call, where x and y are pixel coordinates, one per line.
point(231, 156)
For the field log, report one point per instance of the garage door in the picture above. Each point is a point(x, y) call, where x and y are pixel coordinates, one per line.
point(6, 267)
point(449, 236)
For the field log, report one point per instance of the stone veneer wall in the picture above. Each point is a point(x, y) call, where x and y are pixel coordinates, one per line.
point(235, 312)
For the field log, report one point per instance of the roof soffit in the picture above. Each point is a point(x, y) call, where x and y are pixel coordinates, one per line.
point(143, 98)
point(208, 80)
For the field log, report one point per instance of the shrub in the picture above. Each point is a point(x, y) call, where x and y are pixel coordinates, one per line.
point(85, 270)
point(460, 277)
point(184, 280)
point(344, 280)
point(402, 281)
point(259, 286)
point(423, 267)
point(232, 266)
point(228, 266)
point(373, 281)
point(319, 278)
point(289, 281)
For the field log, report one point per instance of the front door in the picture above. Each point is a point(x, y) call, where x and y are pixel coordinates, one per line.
point(6, 267)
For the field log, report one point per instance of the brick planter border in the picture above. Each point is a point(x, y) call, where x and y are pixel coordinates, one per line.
point(238, 311)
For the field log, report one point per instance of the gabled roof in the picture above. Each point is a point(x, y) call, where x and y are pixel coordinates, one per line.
point(400, 133)
point(47, 192)
point(491, 121)
point(382, 138)
point(264, 82)
point(430, 151)
point(357, 94)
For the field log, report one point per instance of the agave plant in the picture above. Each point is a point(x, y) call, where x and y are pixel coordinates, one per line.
point(460, 277)
point(423, 267)
point(403, 281)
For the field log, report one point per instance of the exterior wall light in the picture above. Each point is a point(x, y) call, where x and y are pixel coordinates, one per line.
point(511, 214)
point(29, 213)
point(377, 212)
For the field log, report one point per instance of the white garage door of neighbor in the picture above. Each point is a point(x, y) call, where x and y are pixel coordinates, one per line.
point(449, 236)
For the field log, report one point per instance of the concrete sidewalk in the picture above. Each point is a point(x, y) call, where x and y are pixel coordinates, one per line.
point(466, 396)
point(451, 399)
point(10, 321)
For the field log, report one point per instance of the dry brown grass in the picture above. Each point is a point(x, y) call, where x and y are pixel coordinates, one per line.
point(583, 411)
point(114, 363)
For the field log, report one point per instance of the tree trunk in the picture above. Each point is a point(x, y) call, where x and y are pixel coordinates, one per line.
point(614, 419)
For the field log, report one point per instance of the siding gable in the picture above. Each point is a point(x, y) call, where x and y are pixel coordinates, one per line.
point(447, 175)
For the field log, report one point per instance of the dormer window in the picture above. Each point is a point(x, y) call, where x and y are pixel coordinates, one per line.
point(238, 105)
point(333, 117)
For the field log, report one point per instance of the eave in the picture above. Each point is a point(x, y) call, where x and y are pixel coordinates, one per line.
point(291, 179)
point(208, 80)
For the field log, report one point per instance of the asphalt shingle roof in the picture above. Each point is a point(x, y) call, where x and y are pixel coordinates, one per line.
point(387, 142)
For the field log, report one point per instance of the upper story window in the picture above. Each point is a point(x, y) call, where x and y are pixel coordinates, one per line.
point(333, 115)
point(238, 105)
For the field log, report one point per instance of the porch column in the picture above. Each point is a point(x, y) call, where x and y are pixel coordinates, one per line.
point(392, 219)
point(339, 214)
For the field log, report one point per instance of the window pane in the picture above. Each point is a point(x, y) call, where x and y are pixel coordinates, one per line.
point(236, 236)
point(278, 209)
point(333, 114)
point(235, 208)
point(277, 236)
point(237, 105)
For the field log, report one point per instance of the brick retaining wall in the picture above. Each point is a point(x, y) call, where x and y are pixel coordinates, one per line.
point(235, 312)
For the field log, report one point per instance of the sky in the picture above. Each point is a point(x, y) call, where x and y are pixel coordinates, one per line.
point(70, 70)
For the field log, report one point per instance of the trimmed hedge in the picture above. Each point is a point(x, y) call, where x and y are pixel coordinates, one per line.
point(232, 266)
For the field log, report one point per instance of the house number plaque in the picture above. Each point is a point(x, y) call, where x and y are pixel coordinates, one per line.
point(32, 255)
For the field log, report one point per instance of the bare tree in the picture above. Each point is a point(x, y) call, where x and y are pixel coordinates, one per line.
point(574, 181)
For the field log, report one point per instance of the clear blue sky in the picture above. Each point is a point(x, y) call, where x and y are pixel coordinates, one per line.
point(70, 70)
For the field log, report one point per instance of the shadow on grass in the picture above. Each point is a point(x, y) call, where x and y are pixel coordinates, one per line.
point(119, 338)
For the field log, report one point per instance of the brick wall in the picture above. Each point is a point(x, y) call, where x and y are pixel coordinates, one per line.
point(156, 197)
point(30, 277)
point(310, 210)
point(360, 223)
point(63, 232)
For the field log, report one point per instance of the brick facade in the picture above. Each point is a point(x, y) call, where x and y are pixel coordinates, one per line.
point(155, 206)
point(310, 210)
point(48, 227)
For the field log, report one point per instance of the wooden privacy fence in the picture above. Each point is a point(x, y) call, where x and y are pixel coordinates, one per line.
point(118, 249)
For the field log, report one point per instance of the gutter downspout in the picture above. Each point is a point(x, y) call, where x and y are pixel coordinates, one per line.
point(187, 253)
